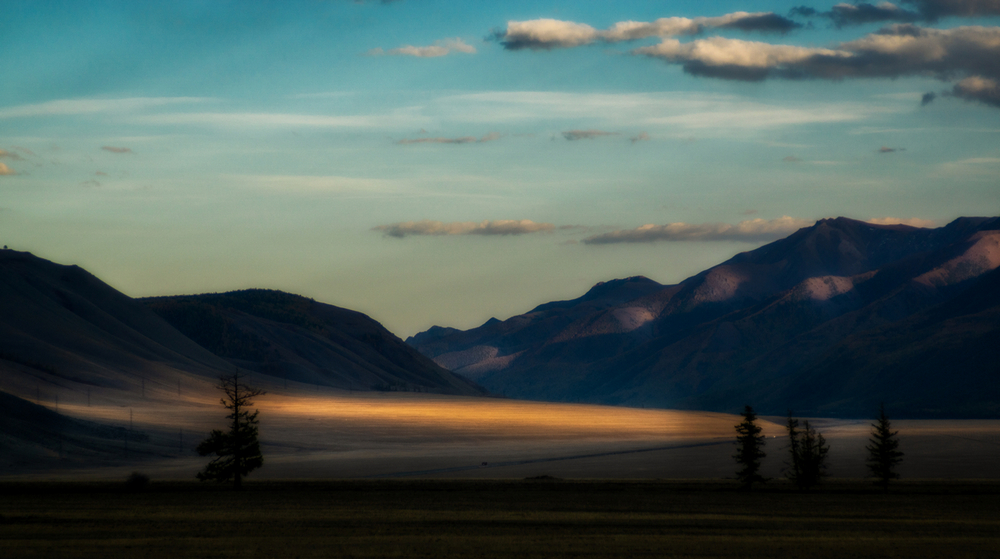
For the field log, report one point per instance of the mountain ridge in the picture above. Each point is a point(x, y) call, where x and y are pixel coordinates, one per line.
point(700, 344)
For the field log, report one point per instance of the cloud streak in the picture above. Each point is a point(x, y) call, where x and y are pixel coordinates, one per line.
point(548, 34)
point(439, 48)
point(114, 149)
point(574, 135)
point(912, 222)
point(5, 170)
point(502, 227)
point(751, 231)
point(91, 106)
point(492, 136)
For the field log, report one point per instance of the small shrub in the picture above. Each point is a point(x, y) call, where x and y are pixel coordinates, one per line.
point(136, 481)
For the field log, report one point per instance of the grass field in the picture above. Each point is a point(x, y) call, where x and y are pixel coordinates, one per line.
point(329, 434)
point(483, 519)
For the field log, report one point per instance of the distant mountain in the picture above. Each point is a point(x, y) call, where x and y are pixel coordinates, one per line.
point(291, 337)
point(831, 320)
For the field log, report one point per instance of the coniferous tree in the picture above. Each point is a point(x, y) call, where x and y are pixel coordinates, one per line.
point(795, 467)
point(237, 450)
point(883, 453)
point(808, 452)
point(749, 449)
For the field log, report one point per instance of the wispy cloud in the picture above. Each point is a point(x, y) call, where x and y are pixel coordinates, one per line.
point(439, 48)
point(573, 135)
point(887, 149)
point(5, 170)
point(670, 110)
point(261, 120)
point(89, 106)
point(753, 230)
point(435, 228)
point(318, 183)
point(548, 34)
point(640, 137)
point(912, 222)
point(114, 149)
point(492, 136)
point(4, 154)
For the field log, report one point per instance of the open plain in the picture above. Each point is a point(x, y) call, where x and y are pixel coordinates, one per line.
point(319, 433)
point(529, 518)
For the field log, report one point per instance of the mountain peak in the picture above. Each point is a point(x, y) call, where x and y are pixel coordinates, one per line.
point(610, 292)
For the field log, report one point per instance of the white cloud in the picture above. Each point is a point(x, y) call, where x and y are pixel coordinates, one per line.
point(753, 230)
point(439, 48)
point(720, 51)
point(90, 106)
point(894, 51)
point(547, 34)
point(912, 222)
point(436, 228)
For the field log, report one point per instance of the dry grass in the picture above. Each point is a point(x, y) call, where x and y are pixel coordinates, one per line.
point(328, 434)
point(498, 519)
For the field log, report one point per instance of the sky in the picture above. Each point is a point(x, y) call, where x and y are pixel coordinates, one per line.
point(430, 162)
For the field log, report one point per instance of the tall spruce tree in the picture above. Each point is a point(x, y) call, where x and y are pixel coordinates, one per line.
point(883, 451)
point(237, 450)
point(808, 451)
point(749, 449)
point(794, 472)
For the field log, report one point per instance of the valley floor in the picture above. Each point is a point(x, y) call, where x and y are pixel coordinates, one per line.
point(485, 519)
point(329, 434)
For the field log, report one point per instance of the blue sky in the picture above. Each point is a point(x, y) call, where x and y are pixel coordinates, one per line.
point(444, 162)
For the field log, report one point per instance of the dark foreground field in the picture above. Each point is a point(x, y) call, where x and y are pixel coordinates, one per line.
point(482, 519)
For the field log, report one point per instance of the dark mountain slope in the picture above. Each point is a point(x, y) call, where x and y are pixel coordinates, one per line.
point(64, 330)
point(604, 309)
point(758, 324)
point(292, 337)
point(34, 438)
point(64, 322)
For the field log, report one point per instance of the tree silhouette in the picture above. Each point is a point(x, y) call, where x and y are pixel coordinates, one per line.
point(883, 453)
point(237, 450)
point(808, 450)
point(749, 445)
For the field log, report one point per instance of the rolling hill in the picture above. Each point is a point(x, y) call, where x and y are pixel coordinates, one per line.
point(64, 330)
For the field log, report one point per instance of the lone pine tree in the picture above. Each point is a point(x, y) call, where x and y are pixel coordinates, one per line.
point(808, 454)
point(237, 450)
point(883, 453)
point(749, 449)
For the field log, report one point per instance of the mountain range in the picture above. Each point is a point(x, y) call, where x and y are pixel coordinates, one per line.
point(62, 329)
point(830, 321)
